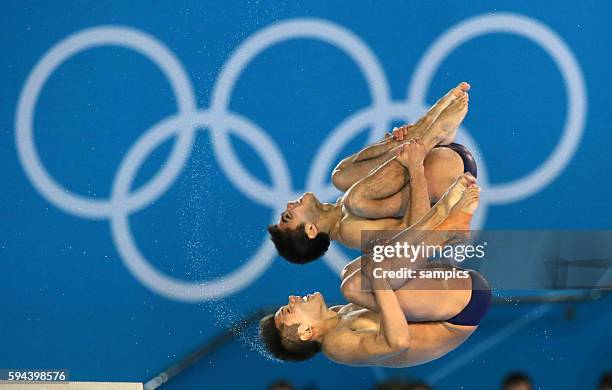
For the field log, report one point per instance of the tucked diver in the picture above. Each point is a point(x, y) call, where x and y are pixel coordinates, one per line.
point(379, 187)
point(399, 323)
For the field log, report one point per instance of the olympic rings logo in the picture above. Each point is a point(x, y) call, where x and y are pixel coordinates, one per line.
point(220, 121)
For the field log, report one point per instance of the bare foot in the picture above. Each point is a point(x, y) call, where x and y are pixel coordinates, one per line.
point(456, 228)
point(441, 210)
point(469, 201)
point(456, 92)
point(461, 214)
point(432, 114)
point(424, 123)
point(444, 129)
point(455, 192)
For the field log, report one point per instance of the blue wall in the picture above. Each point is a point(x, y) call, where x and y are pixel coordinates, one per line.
point(100, 270)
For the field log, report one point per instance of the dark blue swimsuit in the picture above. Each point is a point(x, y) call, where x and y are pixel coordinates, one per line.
point(479, 303)
point(469, 164)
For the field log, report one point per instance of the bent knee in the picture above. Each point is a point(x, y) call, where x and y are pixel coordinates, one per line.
point(442, 167)
point(350, 268)
point(351, 285)
point(443, 160)
point(340, 180)
point(354, 201)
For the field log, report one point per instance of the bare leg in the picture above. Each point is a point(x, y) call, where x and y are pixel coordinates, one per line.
point(424, 299)
point(422, 125)
point(378, 195)
point(443, 130)
point(439, 106)
point(453, 205)
point(421, 299)
point(439, 211)
point(385, 192)
point(355, 167)
point(460, 215)
point(359, 165)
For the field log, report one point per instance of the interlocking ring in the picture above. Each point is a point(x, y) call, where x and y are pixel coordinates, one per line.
point(221, 122)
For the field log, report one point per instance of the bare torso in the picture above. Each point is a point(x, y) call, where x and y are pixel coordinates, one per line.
point(429, 340)
point(351, 227)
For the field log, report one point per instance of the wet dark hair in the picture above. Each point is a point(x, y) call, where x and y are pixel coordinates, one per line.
point(401, 384)
point(516, 378)
point(283, 348)
point(295, 246)
point(280, 385)
point(605, 382)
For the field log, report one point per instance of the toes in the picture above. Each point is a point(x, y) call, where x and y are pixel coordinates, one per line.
point(459, 90)
point(470, 178)
point(473, 191)
point(463, 181)
point(459, 102)
point(464, 178)
point(464, 86)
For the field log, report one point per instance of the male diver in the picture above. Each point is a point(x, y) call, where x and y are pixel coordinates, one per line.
point(377, 184)
point(400, 322)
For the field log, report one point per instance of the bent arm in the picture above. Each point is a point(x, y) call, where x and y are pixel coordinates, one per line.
point(392, 338)
point(393, 326)
point(412, 157)
point(419, 203)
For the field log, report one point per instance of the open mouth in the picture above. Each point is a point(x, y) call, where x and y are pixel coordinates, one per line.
point(305, 298)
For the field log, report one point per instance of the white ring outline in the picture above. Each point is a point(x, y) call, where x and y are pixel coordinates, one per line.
point(144, 271)
point(122, 204)
point(291, 29)
point(89, 38)
point(561, 54)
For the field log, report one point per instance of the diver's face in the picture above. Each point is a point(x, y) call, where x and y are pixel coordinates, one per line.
point(303, 210)
point(308, 309)
point(519, 386)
